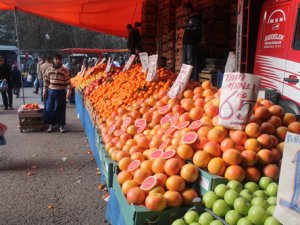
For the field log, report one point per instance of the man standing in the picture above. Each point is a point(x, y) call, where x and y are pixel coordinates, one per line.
point(191, 39)
point(39, 74)
point(44, 67)
point(56, 81)
point(5, 75)
point(134, 40)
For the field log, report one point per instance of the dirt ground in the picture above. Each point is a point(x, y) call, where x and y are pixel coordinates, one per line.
point(48, 179)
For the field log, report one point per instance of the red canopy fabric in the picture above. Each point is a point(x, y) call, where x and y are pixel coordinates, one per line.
point(107, 16)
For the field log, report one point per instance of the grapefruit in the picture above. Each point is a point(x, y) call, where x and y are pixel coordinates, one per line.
point(134, 165)
point(164, 144)
point(195, 125)
point(174, 118)
point(164, 110)
point(182, 125)
point(168, 154)
point(126, 122)
point(156, 202)
point(149, 183)
point(189, 138)
point(165, 120)
point(136, 196)
point(111, 129)
point(156, 154)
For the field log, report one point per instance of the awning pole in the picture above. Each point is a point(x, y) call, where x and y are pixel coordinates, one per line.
point(19, 54)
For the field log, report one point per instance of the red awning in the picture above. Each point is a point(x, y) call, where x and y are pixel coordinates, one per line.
point(105, 16)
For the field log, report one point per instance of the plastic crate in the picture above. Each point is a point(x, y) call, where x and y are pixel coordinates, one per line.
point(107, 167)
point(140, 215)
point(268, 94)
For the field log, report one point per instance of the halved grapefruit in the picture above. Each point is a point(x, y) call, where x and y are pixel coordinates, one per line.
point(156, 154)
point(164, 144)
point(126, 122)
point(195, 125)
point(141, 128)
point(174, 118)
point(165, 120)
point(149, 183)
point(140, 122)
point(182, 125)
point(119, 132)
point(189, 138)
point(111, 129)
point(133, 166)
point(168, 154)
point(170, 130)
point(164, 110)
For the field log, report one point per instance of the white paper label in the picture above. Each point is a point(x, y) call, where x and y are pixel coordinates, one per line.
point(144, 61)
point(108, 65)
point(238, 98)
point(287, 210)
point(152, 66)
point(204, 183)
point(181, 81)
point(129, 63)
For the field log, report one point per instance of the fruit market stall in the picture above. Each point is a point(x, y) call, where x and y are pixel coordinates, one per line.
point(158, 154)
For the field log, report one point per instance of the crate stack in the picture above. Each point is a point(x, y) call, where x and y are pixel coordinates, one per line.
point(149, 28)
point(166, 33)
point(215, 24)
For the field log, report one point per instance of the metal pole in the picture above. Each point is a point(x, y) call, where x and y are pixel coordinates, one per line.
point(18, 44)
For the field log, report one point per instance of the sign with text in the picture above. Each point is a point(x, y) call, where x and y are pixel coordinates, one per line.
point(129, 62)
point(152, 66)
point(144, 61)
point(287, 210)
point(108, 65)
point(181, 81)
point(238, 98)
point(101, 62)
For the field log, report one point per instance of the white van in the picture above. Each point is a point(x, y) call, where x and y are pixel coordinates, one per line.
point(11, 54)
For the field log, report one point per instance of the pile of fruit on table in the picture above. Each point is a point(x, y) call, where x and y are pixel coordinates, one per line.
point(160, 143)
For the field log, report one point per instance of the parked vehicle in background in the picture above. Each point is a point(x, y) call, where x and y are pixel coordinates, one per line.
point(11, 54)
point(78, 57)
point(277, 59)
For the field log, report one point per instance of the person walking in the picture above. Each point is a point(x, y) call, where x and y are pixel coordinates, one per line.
point(44, 67)
point(39, 74)
point(5, 75)
point(56, 81)
point(16, 80)
point(191, 39)
point(32, 72)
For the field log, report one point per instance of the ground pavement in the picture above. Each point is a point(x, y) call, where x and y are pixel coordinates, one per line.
point(48, 179)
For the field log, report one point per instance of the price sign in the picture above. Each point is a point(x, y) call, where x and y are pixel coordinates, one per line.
point(144, 60)
point(152, 76)
point(129, 63)
point(238, 98)
point(101, 62)
point(108, 65)
point(181, 81)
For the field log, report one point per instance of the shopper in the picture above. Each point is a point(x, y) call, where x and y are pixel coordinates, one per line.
point(56, 81)
point(5, 75)
point(16, 80)
point(134, 44)
point(39, 74)
point(191, 39)
point(48, 63)
point(32, 72)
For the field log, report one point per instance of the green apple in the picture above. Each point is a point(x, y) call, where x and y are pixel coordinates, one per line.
point(260, 193)
point(235, 185)
point(272, 200)
point(194, 223)
point(244, 221)
point(220, 190)
point(271, 209)
point(209, 198)
point(257, 215)
point(264, 182)
point(216, 222)
point(232, 217)
point(205, 218)
point(251, 186)
point(272, 189)
point(179, 222)
point(260, 202)
point(271, 221)
point(230, 196)
point(242, 206)
point(220, 208)
point(246, 194)
point(191, 216)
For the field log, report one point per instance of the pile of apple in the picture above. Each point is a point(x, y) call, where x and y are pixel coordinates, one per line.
point(251, 204)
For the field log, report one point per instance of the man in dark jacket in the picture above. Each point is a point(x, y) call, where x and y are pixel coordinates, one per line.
point(16, 80)
point(191, 39)
point(5, 74)
point(134, 44)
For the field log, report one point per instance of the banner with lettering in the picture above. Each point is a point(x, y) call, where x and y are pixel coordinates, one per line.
point(144, 61)
point(287, 210)
point(181, 81)
point(152, 67)
point(238, 97)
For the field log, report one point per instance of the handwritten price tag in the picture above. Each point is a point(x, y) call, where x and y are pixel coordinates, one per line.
point(129, 63)
point(238, 98)
point(108, 65)
point(144, 61)
point(152, 66)
point(181, 81)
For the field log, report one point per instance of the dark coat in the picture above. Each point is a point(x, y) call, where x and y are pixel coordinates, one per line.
point(5, 73)
point(16, 78)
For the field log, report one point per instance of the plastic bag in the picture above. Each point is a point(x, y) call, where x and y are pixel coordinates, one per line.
point(29, 78)
point(3, 86)
point(230, 64)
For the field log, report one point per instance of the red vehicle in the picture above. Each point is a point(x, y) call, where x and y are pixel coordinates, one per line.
point(277, 59)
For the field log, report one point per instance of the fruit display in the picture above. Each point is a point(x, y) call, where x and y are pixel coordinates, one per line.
point(160, 143)
point(31, 106)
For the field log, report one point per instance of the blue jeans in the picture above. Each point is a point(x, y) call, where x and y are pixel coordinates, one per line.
point(190, 56)
point(41, 87)
point(55, 107)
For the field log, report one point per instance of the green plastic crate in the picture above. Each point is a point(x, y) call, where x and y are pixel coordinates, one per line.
point(140, 215)
point(107, 167)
